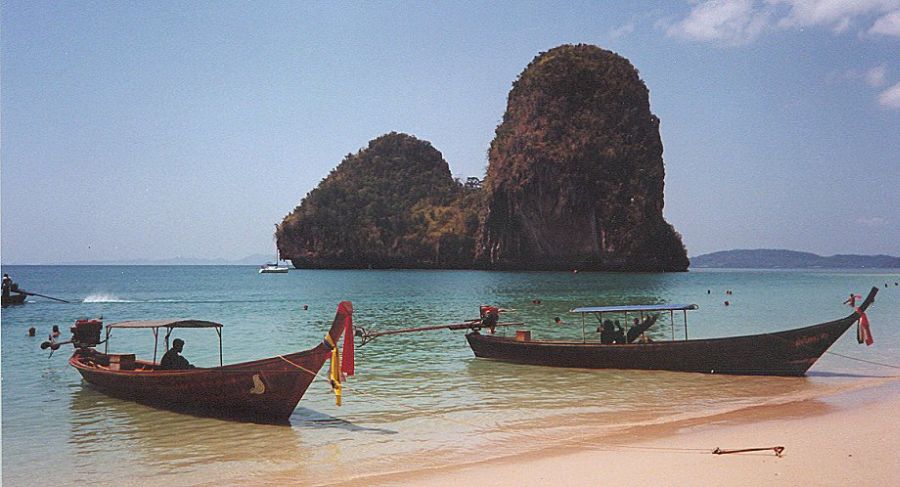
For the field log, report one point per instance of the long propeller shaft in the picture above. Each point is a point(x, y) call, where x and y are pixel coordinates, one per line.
point(29, 293)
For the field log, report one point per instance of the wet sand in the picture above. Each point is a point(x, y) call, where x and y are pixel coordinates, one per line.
point(850, 439)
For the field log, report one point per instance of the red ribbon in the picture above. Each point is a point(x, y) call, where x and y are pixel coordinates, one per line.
point(348, 363)
point(863, 332)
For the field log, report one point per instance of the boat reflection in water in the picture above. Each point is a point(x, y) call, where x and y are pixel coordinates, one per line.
point(160, 444)
point(103, 429)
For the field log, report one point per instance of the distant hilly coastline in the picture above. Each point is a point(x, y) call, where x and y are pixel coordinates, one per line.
point(790, 259)
point(725, 259)
point(255, 259)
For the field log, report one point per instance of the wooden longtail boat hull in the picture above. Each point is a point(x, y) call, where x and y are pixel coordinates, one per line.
point(264, 390)
point(13, 299)
point(785, 353)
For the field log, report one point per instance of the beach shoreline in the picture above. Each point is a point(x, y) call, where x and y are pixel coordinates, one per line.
point(845, 438)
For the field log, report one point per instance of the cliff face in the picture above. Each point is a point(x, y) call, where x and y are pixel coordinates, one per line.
point(575, 181)
point(392, 204)
point(575, 175)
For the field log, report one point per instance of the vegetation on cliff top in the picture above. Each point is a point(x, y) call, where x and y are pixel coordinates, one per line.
point(392, 204)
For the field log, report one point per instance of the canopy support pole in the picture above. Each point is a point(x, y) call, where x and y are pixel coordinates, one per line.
point(685, 324)
point(672, 319)
point(642, 322)
point(583, 334)
point(219, 332)
point(155, 342)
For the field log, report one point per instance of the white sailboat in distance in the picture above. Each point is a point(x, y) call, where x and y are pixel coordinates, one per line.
point(275, 268)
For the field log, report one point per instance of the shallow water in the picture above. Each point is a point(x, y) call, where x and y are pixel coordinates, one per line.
point(414, 396)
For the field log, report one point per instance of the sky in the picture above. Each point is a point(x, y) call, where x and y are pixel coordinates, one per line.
point(155, 130)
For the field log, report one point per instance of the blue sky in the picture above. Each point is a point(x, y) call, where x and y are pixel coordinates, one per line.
point(150, 130)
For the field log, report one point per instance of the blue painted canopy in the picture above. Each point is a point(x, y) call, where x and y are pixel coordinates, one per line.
point(635, 308)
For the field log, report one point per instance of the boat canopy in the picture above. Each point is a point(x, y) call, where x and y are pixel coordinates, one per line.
point(635, 308)
point(167, 323)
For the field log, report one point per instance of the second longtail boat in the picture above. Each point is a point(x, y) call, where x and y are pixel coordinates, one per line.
point(785, 353)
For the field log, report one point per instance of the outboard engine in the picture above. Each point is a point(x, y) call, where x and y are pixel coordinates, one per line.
point(490, 315)
point(86, 333)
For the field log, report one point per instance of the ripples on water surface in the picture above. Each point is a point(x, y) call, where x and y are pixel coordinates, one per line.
point(423, 398)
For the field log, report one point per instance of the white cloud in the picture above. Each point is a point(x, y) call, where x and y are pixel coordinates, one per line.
point(622, 31)
point(837, 14)
point(731, 21)
point(877, 76)
point(888, 25)
point(743, 21)
point(890, 98)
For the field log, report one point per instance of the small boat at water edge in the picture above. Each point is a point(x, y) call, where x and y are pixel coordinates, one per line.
point(273, 269)
point(265, 390)
point(784, 353)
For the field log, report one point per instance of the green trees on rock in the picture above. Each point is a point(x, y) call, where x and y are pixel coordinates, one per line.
point(392, 204)
point(575, 181)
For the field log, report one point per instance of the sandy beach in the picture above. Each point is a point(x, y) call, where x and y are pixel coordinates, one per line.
point(849, 439)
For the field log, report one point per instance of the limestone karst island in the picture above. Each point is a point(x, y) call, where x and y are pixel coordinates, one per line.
point(574, 181)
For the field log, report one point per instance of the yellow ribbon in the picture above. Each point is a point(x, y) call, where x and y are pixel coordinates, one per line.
point(334, 370)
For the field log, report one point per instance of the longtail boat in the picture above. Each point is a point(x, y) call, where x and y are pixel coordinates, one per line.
point(265, 390)
point(15, 295)
point(784, 353)
point(13, 299)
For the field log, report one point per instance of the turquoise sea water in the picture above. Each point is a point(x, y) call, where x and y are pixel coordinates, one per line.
point(417, 400)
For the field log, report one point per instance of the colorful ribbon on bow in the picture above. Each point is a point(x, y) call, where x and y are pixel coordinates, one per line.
point(338, 369)
point(863, 332)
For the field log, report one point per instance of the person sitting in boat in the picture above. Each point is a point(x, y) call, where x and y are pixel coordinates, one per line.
point(172, 360)
point(611, 333)
point(619, 334)
point(607, 332)
point(7, 285)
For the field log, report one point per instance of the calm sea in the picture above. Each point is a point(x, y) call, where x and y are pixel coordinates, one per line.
point(417, 400)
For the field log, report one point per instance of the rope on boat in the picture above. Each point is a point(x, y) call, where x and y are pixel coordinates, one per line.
point(314, 374)
point(870, 362)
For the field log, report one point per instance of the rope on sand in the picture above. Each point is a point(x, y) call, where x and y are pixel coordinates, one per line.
point(777, 449)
